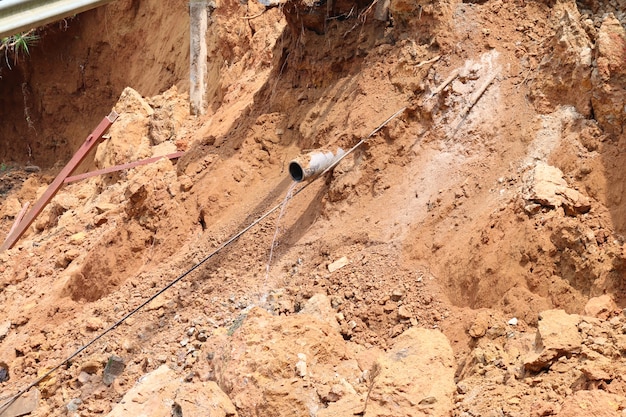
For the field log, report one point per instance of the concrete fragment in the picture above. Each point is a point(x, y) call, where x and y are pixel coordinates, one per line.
point(557, 335)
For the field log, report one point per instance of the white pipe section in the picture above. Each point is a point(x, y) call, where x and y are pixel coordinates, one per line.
point(308, 166)
point(18, 16)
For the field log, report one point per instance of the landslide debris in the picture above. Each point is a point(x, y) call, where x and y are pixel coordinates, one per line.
point(467, 260)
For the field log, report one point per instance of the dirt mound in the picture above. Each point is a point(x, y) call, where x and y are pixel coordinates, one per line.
point(475, 240)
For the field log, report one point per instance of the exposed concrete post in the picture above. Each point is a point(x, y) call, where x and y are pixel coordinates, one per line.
point(198, 23)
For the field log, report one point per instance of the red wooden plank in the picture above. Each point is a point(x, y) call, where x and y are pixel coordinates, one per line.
point(121, 167)
point(92, 140)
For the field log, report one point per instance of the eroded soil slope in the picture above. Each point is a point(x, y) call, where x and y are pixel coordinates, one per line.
point(466, 260)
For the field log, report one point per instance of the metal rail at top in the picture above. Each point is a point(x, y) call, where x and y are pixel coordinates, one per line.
point(22, 15)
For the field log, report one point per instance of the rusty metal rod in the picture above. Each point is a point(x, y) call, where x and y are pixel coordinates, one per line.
point(92, 140)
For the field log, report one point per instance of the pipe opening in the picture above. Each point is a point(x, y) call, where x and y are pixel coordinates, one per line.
point(296, 171)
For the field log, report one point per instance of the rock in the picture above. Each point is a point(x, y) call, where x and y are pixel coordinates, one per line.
point(595, 403)
point(77, 238)
point(404, 313)
point(195, 399)
point(73, 405)
point(10, 208)
point(512, 322)
point(600, 307)
point(382, 10)
point(481, 324)
point(93, 324)
point(4, 329)
point(397, 294)
point(104, 207)
point(157, 392)
point(557, 335)
point(4, 372)
point(319, 307)
point(114, 368)
point(131, 101)
point(163, 149)
point(83, 378)
point(547, 187)
point(566, 78)
point(608, 77)
point(260, 365)
point(338, 264)
point(417, 359)
point(301, 365)
point(25, 404)
point(573, 201)
point(128, 136)
point(546, 181)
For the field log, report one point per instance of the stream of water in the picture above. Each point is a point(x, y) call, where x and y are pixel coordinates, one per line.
point(283, 207)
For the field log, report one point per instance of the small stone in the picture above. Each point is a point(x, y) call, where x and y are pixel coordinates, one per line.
point(338, 264)
point(73, 405)
point(481, 325)
point(201, 337)
point(301, 365)
point(404, 312)
point(600, 307)
point(77, 238)
point(129, 346)
point(512, 322)
point(93, 324)
point(4, 329)
point(184, 342)
point(428, 401)
point(83, 378)
point(397, 294)
point(4, 372)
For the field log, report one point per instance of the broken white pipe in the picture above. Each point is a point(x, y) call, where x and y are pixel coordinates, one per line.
point(310, 165)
